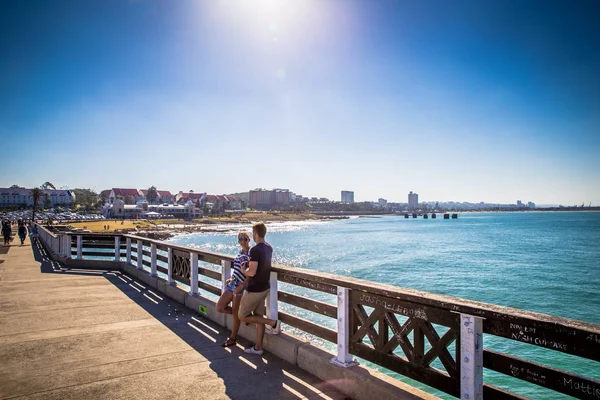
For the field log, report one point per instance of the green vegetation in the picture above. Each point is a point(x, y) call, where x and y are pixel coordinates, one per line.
point(86, 199)
point(152, 194)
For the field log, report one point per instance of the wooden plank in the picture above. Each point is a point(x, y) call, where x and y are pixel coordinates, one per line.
point(427, 375)
point(406, 308)
point(309, 327)
point(577, 386)
point(164, 259)
point(210, 273)
point(162, 269)
point(312, 305)
point(209, 288)
point(491, 392)
point(566, 339)
point(209, 258)
point(307, 282)
point(98, 254)
point(102, 246)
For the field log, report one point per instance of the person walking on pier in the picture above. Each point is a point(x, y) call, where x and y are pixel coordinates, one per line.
point(235, 288)
point(252, 306)
point(22, 231)
point(6, 231)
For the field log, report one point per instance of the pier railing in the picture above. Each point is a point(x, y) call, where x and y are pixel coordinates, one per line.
point(434, 339)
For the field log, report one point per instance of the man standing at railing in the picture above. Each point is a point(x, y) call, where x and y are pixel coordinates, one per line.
point(252, 306)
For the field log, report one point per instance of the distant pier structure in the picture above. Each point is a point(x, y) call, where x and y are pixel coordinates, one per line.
point(433, 215)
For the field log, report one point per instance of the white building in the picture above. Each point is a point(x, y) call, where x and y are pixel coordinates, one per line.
point(413, 200)
point(182, 211)
point(382, 203)
point(23, 197)
point(347, 196)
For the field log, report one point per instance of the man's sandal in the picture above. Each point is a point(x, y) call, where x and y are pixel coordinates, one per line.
point(229, 342)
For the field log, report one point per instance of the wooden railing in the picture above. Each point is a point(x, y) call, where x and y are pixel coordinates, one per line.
point(403, 330)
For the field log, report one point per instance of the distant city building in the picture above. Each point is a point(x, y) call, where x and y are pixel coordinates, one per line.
point(531, 204)
point(413, 200)
point(22, 197)
point(133, 196)
point(347, 196)
point(266, 199)
point(382, 203)
point(519, 203)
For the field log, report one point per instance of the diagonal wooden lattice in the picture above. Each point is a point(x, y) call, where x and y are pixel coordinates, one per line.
point(181, 266)
point(414, 352)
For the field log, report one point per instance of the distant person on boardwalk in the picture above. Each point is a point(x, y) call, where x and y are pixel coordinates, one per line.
point(234, 288)
point(252, 306)
point(22, 231)
point(6, 231)
point(34, 232)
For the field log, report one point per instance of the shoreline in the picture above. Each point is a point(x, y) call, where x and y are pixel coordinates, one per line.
point(167, 230)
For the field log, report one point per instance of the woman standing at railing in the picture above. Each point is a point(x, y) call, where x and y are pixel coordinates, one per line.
point(235, 288)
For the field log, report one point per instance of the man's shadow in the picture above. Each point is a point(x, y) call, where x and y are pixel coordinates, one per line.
point(245, 376)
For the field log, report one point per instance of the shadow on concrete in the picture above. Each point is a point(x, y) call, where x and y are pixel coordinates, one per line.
point(245, 376)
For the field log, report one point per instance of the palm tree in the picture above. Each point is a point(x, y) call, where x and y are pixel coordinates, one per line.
point(36, 193)
point(47, 185)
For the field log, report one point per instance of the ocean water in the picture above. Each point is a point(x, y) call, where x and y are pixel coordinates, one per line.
point(547, 262)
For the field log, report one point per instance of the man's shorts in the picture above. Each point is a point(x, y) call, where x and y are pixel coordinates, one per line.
point(253, 302)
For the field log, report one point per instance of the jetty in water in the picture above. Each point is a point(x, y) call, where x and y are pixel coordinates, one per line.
point(433, 215)
point(122, 316)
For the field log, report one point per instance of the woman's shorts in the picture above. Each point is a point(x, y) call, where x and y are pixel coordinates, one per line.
point(232, 285)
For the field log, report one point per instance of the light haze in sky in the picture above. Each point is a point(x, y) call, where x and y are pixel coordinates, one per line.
point(473, 101)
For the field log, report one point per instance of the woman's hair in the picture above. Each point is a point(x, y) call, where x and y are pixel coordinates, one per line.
point(244, 235)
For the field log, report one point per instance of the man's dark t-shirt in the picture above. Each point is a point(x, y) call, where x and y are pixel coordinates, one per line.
point(261, 253)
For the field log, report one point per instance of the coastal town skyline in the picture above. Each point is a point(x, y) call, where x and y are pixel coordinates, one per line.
point(345, 196)
point(469, 101)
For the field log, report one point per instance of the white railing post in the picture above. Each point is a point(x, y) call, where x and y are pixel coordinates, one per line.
point(67, 247)
point(225, 274)
point(140, 255)
point(128, 243)
point(153, 259)
point(170, 280)
point(344, 358)
point(471, 357)
point(193, 273)
point(272, 310)
point(79, 247)
point(117, 248)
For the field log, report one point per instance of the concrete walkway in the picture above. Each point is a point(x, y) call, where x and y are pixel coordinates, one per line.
point(80, 334)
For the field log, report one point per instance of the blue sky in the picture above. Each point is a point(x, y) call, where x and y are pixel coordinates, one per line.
point(465, 100)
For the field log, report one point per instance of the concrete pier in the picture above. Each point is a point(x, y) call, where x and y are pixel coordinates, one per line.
point(78, 334)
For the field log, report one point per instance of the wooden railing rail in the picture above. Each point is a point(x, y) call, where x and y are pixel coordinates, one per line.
point(435, 339)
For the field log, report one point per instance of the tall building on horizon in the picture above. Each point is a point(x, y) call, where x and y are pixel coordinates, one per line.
point(265, 199)
point(413, 200)
point(347, 196)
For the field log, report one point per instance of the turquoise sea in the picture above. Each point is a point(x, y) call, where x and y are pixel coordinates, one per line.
point(547, 262)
